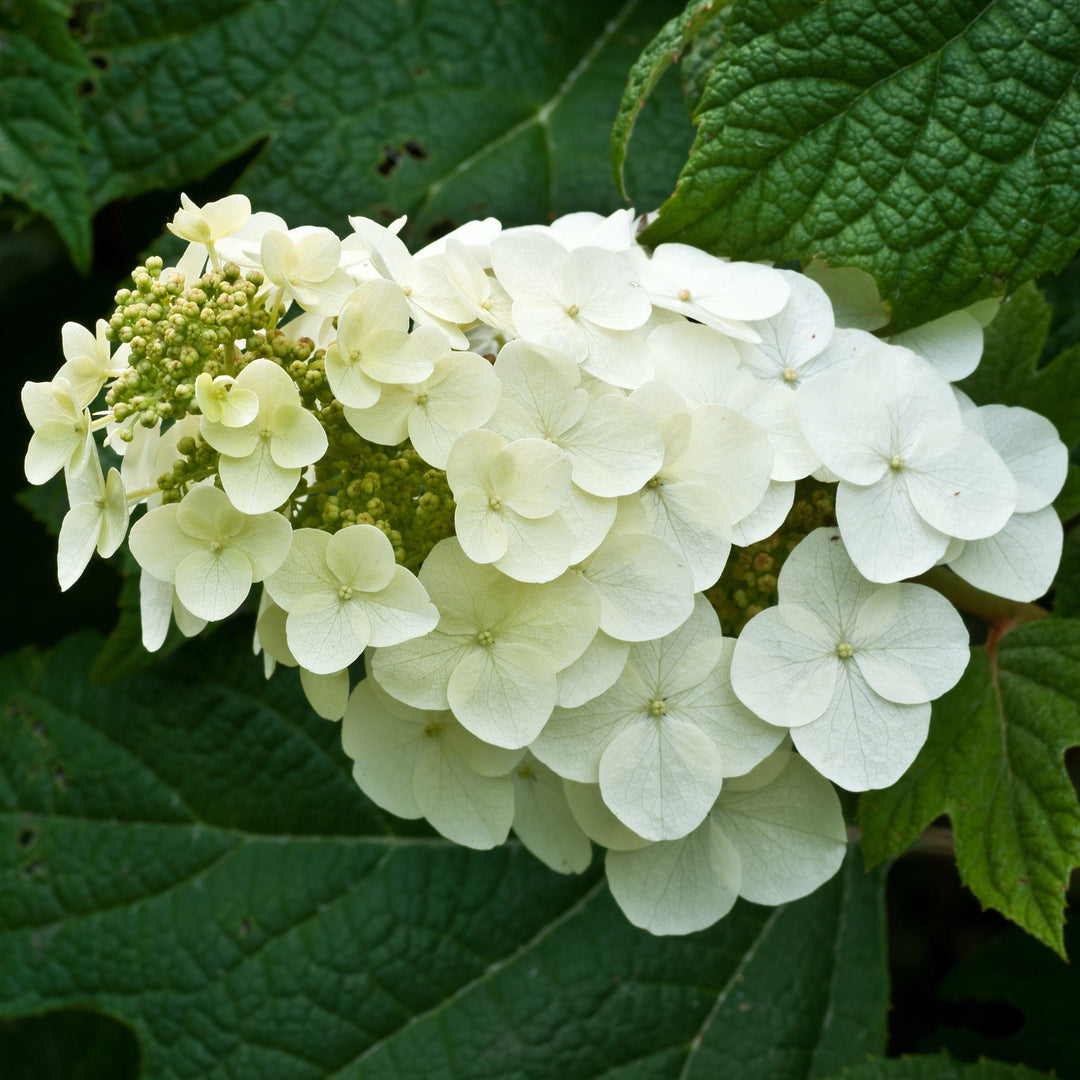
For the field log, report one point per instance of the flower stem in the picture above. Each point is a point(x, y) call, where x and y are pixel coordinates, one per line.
point(993, 609)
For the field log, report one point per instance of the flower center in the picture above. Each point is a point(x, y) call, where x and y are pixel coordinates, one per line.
point(896, 462)
point(844, 650)
point(684, 295)
point(485, 638)
point(657, 707)
point(421, 399)
point(790, 374)
point(433, 730)
point(494, 502)
point(572, 311)
point(345, 592)
point(216, 546)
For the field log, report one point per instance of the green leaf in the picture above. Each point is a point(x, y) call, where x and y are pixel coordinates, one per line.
point(663, 51)
point(1043, 989)
point(41, 70)
point(1067, 503)
point(697, 61)
point(929, 142)
point(1063, 292)
point(1009, 371)
point(1067, 585)
point(443, 111)
point(994, 764)
point(940, 1068)
point(188, 854)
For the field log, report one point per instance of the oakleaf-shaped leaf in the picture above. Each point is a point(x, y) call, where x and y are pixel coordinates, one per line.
point(939, 1068)
point(41, 139)
point(188, 853)
point(663, 51)
point(994, 764)
point(929, 142)
point(446, 112)
point(1009, 372)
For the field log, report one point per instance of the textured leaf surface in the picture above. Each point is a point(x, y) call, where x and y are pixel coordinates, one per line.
point(1046, 991)
point(188, 854)
point(994, 764)
point(940, 1068)
point(664, 50)
point(446, 111)
point(930, 142)
point(41, 69)
point(1009, 371)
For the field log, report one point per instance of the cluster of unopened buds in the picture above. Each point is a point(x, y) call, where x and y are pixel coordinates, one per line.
point(509, 471)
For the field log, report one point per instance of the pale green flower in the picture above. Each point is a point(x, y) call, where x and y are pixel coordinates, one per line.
point(344, 592)
point(209, 549)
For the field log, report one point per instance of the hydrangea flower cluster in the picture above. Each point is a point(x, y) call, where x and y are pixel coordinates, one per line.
point(509, 471)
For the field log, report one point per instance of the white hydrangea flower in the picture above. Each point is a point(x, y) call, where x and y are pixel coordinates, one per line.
point(716, 471)
point(705, 368)
point(210, 222)
point(151, 453)
point(327, 692)
point(660, 741)
point(305, 265)
point(261, 461)
point(593, 672)
point(433, 300)
point(344, 592)
point(849, 665)
point(89, 361)
point(482, 293)
point(374, 346)
point(209, 549)
point(773, 836)
point(585, 303)
point(97, 520)
point(62, 436)
point(460, 393)
point(720, 294)
point(645, 588)
point(586, 229)
point(493, 657)
point(790, 341)
point(508, 498)
point(220, 403)
point(953, 344)
point(614, 446)
point(1020, 560)
point(853, 293)
point(543, 821)
point(158, 605)
point(423, 763)
point(911, 473)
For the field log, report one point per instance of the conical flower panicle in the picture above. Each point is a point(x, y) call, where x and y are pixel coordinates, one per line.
point(539, 479)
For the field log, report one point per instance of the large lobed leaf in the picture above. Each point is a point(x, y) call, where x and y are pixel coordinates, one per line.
point(994, 763)
point(929, 142)
point(940, 1068)
point(1012, 968)
point(1010, 373)
point(188, 853)
point(41, 71)
point(445, 111)
point(665, 49)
